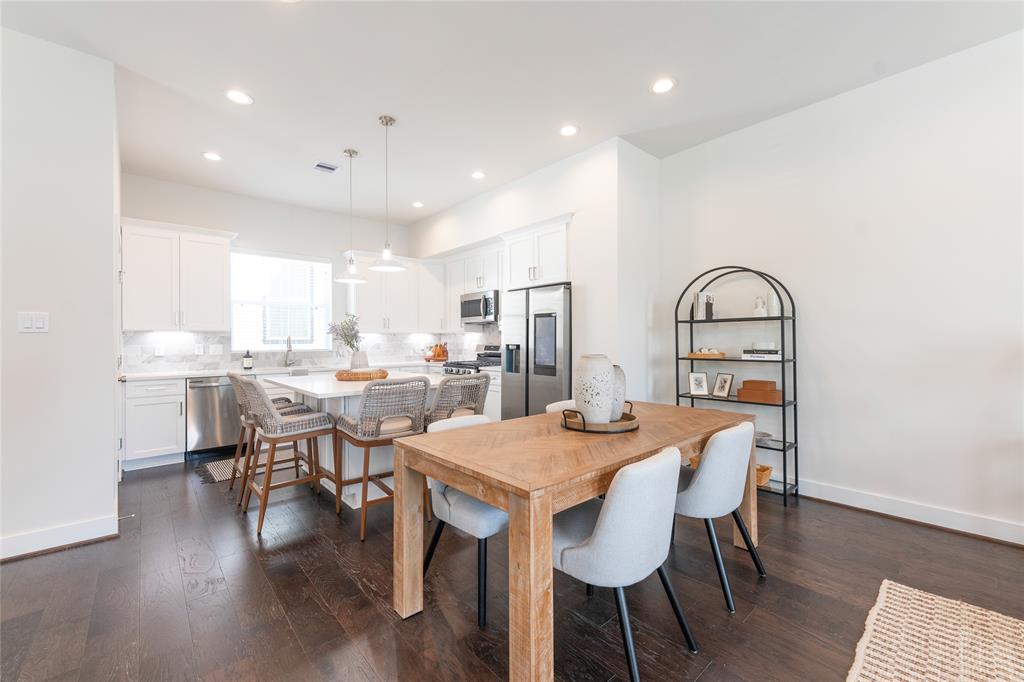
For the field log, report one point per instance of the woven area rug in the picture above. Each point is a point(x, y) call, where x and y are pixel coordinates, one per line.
point(919, 636)
point(220, 470)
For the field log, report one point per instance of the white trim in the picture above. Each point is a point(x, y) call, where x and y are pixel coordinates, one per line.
point(999, 529)
point(149, 462)
point(57, 536)
point(156, 224)
point(286, 255)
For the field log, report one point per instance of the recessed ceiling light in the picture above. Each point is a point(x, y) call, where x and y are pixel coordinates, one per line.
point(211, 156)
point(238, 97)
point(290, 2)
point(479, 175)
point(417, 204)
point(568, 130)
point(662, 85)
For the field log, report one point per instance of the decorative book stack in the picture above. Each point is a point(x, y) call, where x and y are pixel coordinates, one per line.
point(754, 354)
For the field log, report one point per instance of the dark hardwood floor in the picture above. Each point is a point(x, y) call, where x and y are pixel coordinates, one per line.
point(189, 592)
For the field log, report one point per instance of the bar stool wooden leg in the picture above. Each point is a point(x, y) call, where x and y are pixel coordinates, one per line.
point(314, 462)
point(366, 499)
point(265, 496)
point(251, 479)
point(238, 455)
point(336, 448)
point(246, 462)
point(295, 451)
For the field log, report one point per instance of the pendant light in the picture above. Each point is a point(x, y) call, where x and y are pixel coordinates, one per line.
point(351, 275)
point(385, 263)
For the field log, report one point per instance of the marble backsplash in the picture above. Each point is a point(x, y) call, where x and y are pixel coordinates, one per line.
point(178, 350)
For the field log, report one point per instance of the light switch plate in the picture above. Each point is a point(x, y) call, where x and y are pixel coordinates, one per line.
point(33, 323)
point(199, 349)
point(158, 351)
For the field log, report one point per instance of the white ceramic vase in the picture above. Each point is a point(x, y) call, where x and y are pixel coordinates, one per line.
point(359, 360)
point(619, 394)
point(594, 388)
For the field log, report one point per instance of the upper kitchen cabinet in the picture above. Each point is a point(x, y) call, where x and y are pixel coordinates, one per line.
point(174, 278)
point(388, 301)
point(537, 257)
point(432, 301)
point(205, 283)
point(483, 270)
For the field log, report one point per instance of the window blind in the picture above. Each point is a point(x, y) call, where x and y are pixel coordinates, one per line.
point(273, 298)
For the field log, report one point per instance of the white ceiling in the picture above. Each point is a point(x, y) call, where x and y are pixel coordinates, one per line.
point(473, 85)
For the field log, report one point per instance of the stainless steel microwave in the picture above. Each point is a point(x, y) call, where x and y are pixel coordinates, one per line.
point(480, 307)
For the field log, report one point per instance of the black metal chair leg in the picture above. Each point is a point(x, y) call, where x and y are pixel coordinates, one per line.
point(433, 545)
point(719, 565)
point(627, 634)
point(683, 625)
point(749, 543)
point(481, 582)
point(590, 590)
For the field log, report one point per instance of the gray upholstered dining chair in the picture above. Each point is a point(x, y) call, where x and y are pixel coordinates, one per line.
point(623, 540)
point(390, 409)
point(247, 433)
point(560, 405)
point(466, 513)
point(715, 488)
point(273, 429)
point(460, 395)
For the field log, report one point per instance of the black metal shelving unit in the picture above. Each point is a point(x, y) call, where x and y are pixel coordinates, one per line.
point(787, 445)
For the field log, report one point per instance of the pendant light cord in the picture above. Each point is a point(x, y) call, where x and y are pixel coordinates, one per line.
point(351, 239)
point(387, 214)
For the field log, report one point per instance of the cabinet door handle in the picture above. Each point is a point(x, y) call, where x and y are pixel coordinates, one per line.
point(183, 318)
point(181, 408)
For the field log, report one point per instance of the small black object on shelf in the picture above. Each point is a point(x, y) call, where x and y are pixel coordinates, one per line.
point(787, 445)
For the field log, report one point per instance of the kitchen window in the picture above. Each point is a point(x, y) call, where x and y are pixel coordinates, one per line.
point(273, 298)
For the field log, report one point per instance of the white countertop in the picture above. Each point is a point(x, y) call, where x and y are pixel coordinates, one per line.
point(324, 385)
point(259, 371)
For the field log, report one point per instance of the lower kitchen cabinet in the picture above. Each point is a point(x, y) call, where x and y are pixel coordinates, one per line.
point(492, 406)
point(154, 424)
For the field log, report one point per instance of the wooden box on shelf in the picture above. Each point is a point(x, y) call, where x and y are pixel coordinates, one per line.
point(705, 356)
point(759, 391)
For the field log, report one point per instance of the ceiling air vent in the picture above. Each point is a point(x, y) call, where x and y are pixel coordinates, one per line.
point(325, 167)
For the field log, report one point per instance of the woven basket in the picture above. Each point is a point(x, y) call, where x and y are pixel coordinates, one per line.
point(764, 472)
point(360, 375)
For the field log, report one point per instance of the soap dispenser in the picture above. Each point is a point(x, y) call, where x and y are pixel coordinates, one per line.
point(247, 360)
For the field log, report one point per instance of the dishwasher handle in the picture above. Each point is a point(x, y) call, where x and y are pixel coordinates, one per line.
point(216, 382)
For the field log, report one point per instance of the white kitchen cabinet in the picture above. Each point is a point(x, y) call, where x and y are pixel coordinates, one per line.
point(492, 405)
point(205, 283)
point(150, 291)
point(154, 419)
point(455, 287)
point(388, 301)
point(483, 270)
point(174, 279)
point(537, 257)
point(520, 256)
point(431, 296)
point(401, 300)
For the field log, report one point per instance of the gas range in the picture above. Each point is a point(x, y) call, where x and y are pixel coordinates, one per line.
point(490, 356)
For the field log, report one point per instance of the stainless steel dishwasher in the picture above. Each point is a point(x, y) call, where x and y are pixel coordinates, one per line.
point(211, 414)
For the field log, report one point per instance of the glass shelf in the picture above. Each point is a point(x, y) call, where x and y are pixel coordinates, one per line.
point(733, 399)
point(776, 318)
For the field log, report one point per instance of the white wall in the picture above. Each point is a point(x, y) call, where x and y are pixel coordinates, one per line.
point(261, 225)
point(893, 213)
point(59, 218)
point(585, 185)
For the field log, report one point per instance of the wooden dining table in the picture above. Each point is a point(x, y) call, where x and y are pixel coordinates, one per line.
point(534, 468)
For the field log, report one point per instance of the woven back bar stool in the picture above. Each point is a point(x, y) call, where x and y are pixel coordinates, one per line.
point(247, 432)
point(273, 429)
point(459, 396)
point(390, 409)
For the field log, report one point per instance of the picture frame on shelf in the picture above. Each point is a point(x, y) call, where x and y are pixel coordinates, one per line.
point(723, 385)
point(698, 383)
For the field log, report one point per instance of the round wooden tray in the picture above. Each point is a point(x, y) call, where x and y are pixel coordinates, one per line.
point(574, 421)
point(360, 374)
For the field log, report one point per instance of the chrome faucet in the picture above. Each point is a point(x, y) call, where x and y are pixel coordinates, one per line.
point(288, 359)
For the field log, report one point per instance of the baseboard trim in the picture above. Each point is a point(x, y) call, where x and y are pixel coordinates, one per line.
point(150, 462)
point(972, 524)
point(57, 537)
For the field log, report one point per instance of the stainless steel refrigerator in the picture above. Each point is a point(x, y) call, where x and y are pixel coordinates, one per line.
point(536, 347)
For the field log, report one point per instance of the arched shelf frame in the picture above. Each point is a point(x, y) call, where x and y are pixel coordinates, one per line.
point(787, 445)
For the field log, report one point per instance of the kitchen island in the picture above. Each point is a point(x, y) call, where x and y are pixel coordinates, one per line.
point(323, 393)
